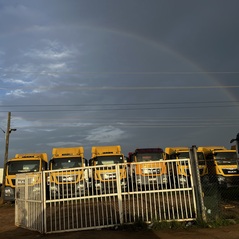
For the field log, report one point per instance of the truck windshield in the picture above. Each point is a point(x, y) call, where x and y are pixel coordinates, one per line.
point(64, 163)
point(107, 160)
point(226, 158)
point(149, 157)
point(201, 158)
point(23, 166)
point(183, 155)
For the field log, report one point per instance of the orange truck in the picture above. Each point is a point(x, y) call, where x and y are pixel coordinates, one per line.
point(104, 174)
point(180, 170)
point(22, 163)
point(222, 165)
point(67, 174)
point(148, 167)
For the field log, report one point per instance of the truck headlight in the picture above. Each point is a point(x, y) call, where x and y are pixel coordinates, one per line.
point(165, 179)
point(98, 185)
point(9, 192)
point(182, 179)
point(48, 180)
point(146, 171)
point(221, 179)
point(53, 188)
point(36, 188)
point(108, 176)
point(123, 183)
point(80, 186)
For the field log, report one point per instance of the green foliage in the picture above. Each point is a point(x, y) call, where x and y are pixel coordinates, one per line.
point(220, 222)
point(138, 225)
point(160, 225)
point(201, 224)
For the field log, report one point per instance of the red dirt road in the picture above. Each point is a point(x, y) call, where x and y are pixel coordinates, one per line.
point(9, 230)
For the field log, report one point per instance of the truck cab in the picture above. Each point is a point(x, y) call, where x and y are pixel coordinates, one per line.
point(180, 170)
point(22, 163)
point(104, 175)
point(222, 164)
point(148, 168)
point(67, 176)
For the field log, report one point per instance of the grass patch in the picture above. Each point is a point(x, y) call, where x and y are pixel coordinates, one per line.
point(138, 225)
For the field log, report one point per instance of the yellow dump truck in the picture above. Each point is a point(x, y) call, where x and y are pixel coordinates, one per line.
point(148, 167)
point(104, 175)
point(67, 175)
point(180, 172)
point(22, 163)
point(222, 165)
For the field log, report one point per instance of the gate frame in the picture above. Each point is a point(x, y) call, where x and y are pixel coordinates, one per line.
point(197, 204)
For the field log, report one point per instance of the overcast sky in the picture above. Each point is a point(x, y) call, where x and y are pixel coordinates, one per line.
point(135, 73)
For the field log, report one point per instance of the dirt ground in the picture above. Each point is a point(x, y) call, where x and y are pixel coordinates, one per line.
point(9, 230)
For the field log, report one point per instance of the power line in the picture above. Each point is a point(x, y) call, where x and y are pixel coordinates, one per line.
point(134, 125)
point(121, 72)
point(121, 109)
point(120, 104)
point(113, 88)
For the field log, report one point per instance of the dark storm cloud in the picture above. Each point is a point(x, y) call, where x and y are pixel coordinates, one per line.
point(195, 29)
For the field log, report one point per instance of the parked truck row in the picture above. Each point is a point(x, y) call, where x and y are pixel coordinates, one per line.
point(69, 173)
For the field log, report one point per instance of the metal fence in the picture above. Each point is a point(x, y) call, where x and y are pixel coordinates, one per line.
point(104, 196)
point(29, 211)
point(221, 203)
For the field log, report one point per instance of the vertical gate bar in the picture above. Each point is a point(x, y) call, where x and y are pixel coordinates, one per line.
point(135, 197)
point(185, 202)
point(112, 204)
point(174, 193)
point(73, 216)
point(26, 201)
point(68, 202)
point(151, 205)
point(80, 212)
point(96, 211)
point(191, 189)
point(146, 206)
point(198, 190)
point(164, 205)
point(155, 206)
point(43, 200)
point(142, 203)
point(77, 213)
point(159, 197)
point(172, 204)
point(119, 192)
point(102, 209)
point(53, 216)
point(168, 205)
point(92, 201)
point(181, 202)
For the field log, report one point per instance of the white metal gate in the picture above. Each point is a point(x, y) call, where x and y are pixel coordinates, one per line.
point(104, 196)
point(29, 212)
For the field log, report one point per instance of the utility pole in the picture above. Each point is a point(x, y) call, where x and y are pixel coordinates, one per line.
point(237, 144)
point(7, 133)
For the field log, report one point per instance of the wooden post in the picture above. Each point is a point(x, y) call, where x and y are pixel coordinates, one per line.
point(8, 131)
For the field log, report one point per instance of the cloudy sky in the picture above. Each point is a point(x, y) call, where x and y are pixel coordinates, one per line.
point(135, 73)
